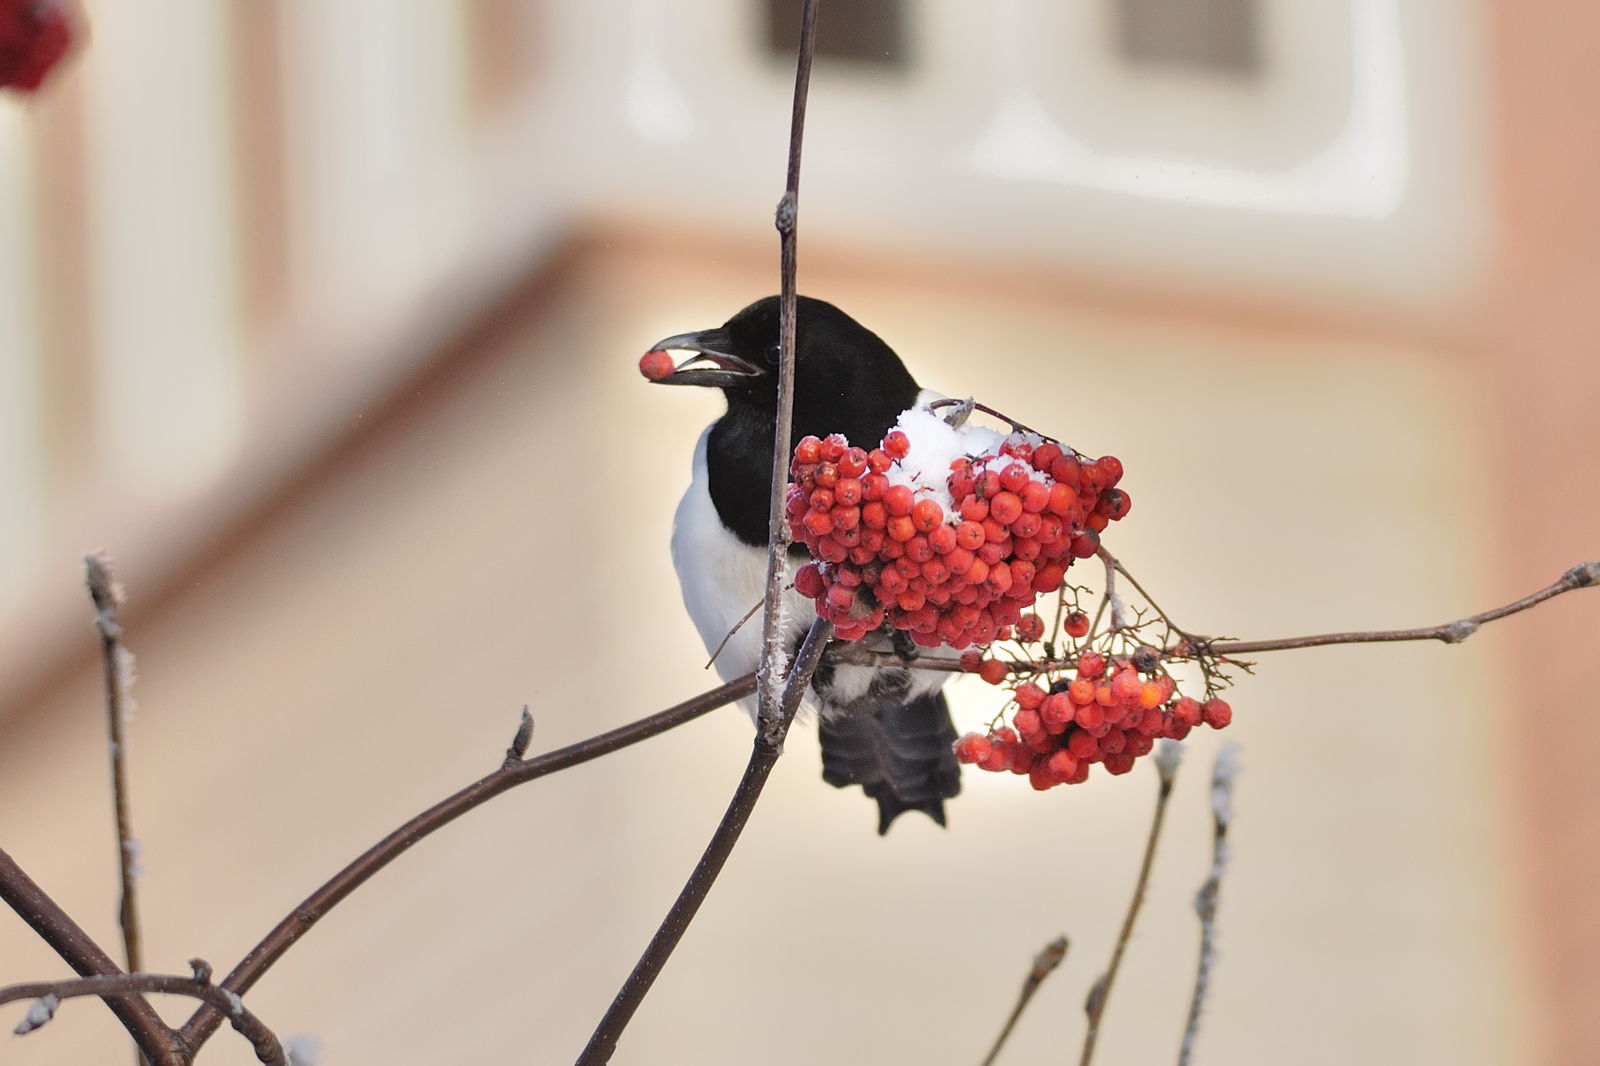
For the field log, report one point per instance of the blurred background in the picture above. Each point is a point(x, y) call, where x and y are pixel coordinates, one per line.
point(307, 311)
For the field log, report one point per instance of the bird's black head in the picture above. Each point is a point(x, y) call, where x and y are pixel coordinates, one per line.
point(846, 380)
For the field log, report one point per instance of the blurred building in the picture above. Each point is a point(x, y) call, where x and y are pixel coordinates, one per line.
point(306, 310)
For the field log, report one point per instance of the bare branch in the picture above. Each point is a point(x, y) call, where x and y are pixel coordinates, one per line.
point(1583, 575)
point(1205, 901)
point(69, 941)
point(736, 627)
point(107, 595)
point(1044, 964)
point(763, 756)
point(286, 933)
point(1167, 767)
point(268, 1050)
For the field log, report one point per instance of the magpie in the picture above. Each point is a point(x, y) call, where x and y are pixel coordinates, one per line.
point(887, 729)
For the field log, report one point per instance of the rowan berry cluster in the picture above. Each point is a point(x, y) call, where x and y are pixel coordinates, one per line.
point(952, 550)
point(1095, 710)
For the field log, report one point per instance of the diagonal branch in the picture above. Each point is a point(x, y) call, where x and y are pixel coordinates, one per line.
point(763, 757)
point(64, 935)
point(286, 933)
point(118, 668)
point(1044, 964)
point(1167, 758)
point(268, 1050)
point(1205, 901)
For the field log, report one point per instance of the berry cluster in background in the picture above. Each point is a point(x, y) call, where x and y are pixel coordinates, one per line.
point(951, 534)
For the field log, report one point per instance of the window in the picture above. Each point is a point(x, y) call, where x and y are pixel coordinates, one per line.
point(869, 32)
point(1209, 35)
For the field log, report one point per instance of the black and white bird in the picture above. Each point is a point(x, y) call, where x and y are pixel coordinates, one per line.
point(886, 729)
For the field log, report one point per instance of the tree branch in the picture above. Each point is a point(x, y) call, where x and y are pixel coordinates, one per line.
point(1205, 901)
point(763, 756)
point(1583, 575)
point(1044, 964)
point(118, 666)
point(69, 941)
point(773, 653)
point(204, 1022)
point(267, 1047)
point(1167, 758)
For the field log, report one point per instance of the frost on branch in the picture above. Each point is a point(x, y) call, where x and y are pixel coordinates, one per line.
point(41, 1012)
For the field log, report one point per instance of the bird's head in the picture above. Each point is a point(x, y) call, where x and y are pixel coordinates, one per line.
point(837, 360)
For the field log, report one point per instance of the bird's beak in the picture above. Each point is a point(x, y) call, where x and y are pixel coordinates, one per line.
point(710, 346)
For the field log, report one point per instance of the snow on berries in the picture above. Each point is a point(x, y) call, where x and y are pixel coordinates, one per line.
point(951, 533)
point(948, 533)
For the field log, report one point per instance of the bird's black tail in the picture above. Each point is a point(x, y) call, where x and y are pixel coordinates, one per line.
point(899, 753)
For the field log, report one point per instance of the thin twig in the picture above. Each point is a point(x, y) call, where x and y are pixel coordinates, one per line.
point(266, 1045)
point(736, 627)
point(1044, 965)
point(773, 652)
point(118, 666)
point(764, 754)
point(1205, 901)
point(1167, 757)
point(1581, 576)
point(75, 946)
point(286, 933)
point(1012, 422)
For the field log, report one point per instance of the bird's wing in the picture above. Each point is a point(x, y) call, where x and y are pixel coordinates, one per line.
point(898, 751)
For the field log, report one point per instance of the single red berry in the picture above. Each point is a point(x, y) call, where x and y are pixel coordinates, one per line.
point(1013, 477)
point(971, 660)
point(34, 36)
point(808, 451)
point(834, 446)
point(896, 444)
point(1188, 711)
point(901, 528)
point(1026, 721)
point(1085, 544)
point(1026, 526)
point(927, 514)
point(974, 747)
point(808, 581)
point(656, 365)
point(1044, 455)
point(1110, 469)
point(853, 463)
point(993, 671)
point(1120, 763)
point(942, 539)
point(1005, 508)
point(1091, 664)
point(827, 474)
point(974, 508)
point(1041, 778)
point(1150, 696)
point(1113, 503)
point(1082, 745)
point(874, 515)
point(1031, 627)
point(1089, 715)
point(1049, 578)
point(1056, 711)
point(1097, 522)
point(1067, 471)
point(1076, 625)
point(1217, 713)
point(899, 499)
point(1063, 764)
point(1029, 696)
point(847, 491)
point(1035, 496)
point(1126, 686)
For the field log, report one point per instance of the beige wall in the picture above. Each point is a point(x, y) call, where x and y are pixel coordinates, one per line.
point(365, 645)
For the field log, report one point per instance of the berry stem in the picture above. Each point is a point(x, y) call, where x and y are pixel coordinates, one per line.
point(1095, 1007)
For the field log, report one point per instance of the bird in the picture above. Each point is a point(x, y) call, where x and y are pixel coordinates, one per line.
point(886, 729)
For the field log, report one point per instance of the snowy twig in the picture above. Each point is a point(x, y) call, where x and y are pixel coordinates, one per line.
point(287, 932)
point(763, 757)
point(773, 653)
point(1044, 964)
point(1581, 576)
point(1205, 902)
point(118, 670)
point(199, 986)
point(75, 946)
point(1166, 760)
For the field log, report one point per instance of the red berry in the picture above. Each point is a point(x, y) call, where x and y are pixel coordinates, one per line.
point(818, 523)
point(1082, 745)
point(1113, 503)
point(1126, 686)
point(1188, 711)
point(874, 515)
point(993, 671)
point(896, 444)
point(899, 499)
point(971, 660)
point(1081, 691)
point(853, 463)
point(1217, 713)
point(1077, 625)
point(901, 528)
point(834, 447)
point(1013, 477)
point(656, 365)
point(808, 581)
point(1030, 628)
point(999, 758)
point(973, 747)
point(1150, 696)
point(808, 452)
point(1090, 664)
point(927, 514)
point(1085, 544)
point(1049, 578)
point(827, 474)
point(1026, 721)
point(1044, 455)
point(1063, 764)
point(1097, 522)
point(1090, 715)
point(1005, 508)
point(1120, 763)
point(974, 508)
point(942, 539)
point(1110, 469)
point(1056, 711)
point(1029, 696)
point(1067, 471)
point(847, 491)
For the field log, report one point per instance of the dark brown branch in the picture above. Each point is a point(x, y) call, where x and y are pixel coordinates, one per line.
point(69, 941)
point(1205, 901)
point(1012, 422)
point(1167, 765)
point(199, 1028)
point(1581, 576)
point(268, 1050)
point(1044, 964)
point(106, 595)
point(787, 217)
point(763, 756)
